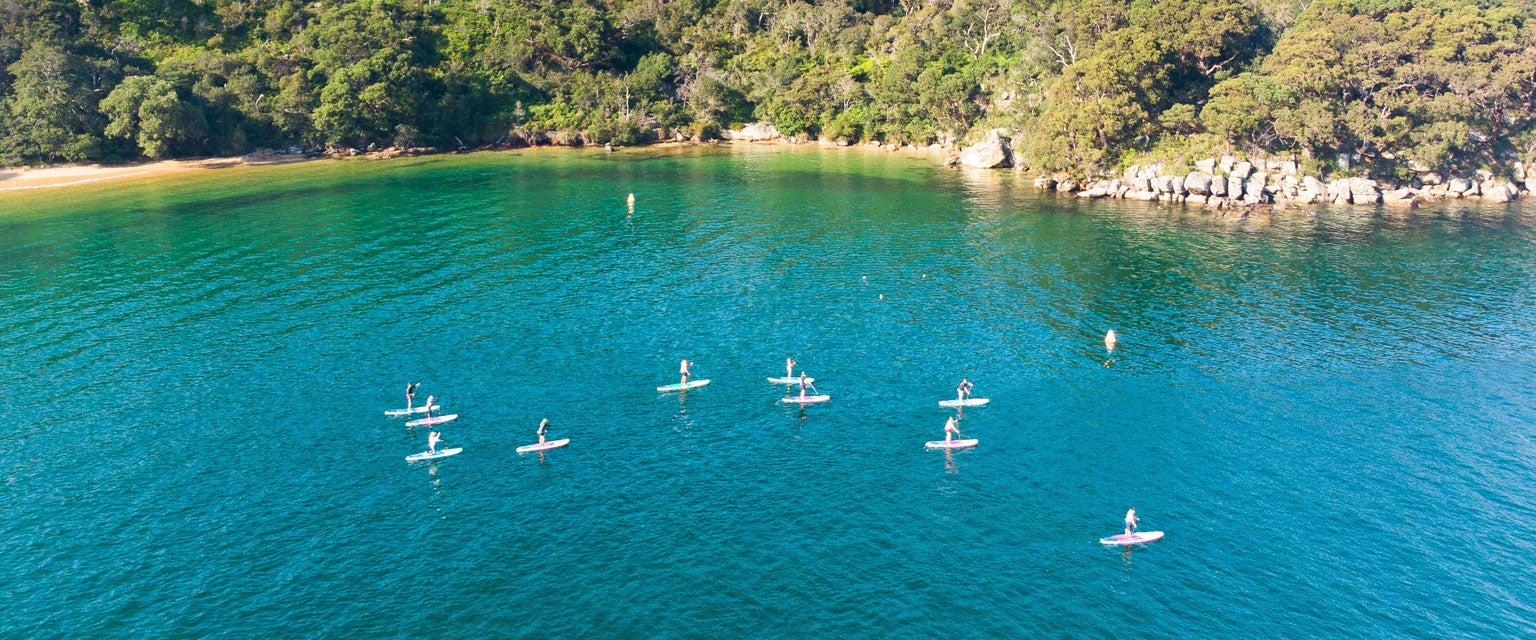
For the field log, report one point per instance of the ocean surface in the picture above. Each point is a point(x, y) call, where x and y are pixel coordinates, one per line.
point(1331, 417)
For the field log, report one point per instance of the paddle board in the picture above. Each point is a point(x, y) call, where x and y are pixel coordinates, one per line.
point(441, 453)
point(406, 412)
point(805, 399)
point(1135, 538)
point(552, 444)
point(692, 384)
point(952, 444)
point(968, 402)
point(420, 422)
point(790, 380)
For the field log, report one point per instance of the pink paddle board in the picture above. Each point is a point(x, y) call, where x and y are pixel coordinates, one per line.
point(433, 420)
point(543, 446)
point(952, 444)
point(1135, 538)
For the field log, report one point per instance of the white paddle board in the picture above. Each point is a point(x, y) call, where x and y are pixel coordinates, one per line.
point(427, 455)
point(692, 384)
point(406, 412)
point(420, 422)
point(1135, 538)
point(805, 399)
point(952, 444)
point(795, 380)
point(968, 402)
point(552, 444)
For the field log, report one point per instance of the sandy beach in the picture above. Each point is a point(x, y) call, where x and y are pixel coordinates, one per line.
point(25, 178)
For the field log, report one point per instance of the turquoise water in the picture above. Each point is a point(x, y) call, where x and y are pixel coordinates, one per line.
point(1331, 417)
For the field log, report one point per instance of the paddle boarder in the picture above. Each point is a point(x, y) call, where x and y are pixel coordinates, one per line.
point(789, 368)
point(803, 383)
point(683, 371)
point(1130, 521)
point(410, 393)
point(432, 439)
point(951, 429)
point(429, 405)
point(964, 390)
point(543, 428)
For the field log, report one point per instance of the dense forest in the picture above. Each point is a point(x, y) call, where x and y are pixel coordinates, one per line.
point(1086, 85)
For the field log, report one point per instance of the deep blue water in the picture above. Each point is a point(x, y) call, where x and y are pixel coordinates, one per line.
point(1332, 417)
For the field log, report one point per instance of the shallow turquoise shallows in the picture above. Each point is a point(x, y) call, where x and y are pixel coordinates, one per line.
point(1332, 418)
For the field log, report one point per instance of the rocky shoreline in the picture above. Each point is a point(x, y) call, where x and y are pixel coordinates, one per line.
point(1233, 186)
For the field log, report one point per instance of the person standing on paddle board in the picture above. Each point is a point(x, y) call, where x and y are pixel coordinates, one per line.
point(789, 368)
point(432, 439)
point(951, 429)
point(429, 405)
point(410, 394)
point(1130, 521)
point(964, 390)
point(803, 383)
point(683, 371)
point(543, 428)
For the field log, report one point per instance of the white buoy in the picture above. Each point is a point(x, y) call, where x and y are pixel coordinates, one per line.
point(882, 296)
point(1110, 339)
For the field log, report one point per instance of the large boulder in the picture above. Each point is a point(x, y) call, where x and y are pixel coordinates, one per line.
point(1256, 183)
point(1362, 191)
point(1207, 165)
point(1045, 182)
point(1227, 162)
point(1242, 170)
point(1198, 182)
point(1404, 198)
point(1096, 191)
point(991, 153)
point(1497, 192)
point(1219, 186)
point(1459, 186)
point(1530, 184)
point(1140, 184)
point(1314, 185)
point(752, 133)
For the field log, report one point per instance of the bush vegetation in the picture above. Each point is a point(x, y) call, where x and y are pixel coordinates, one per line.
point(1085, 84)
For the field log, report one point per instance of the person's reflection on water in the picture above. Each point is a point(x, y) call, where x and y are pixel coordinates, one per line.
point(949, 462)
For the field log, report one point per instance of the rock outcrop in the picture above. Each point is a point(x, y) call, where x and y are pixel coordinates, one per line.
point(755, 132)
point(991, 153)
point(1235, 188)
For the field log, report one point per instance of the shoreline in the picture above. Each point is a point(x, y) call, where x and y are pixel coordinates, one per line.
point(22, 179)
point(1139, 183)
